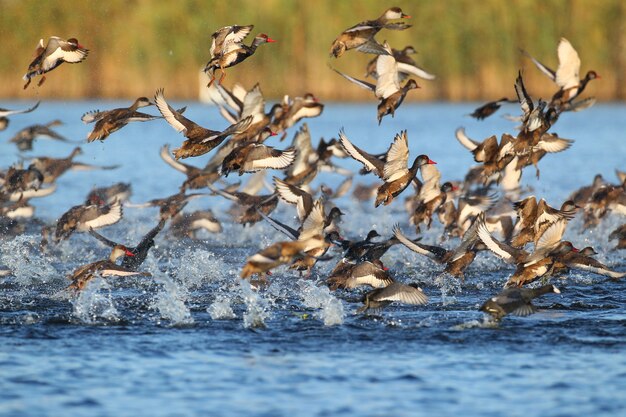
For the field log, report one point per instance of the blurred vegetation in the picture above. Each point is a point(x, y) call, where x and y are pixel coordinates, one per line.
point(137, 46)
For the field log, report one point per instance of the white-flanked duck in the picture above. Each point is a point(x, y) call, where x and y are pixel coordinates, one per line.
point(189, 224)
point(393, 170)
point(110, 121)
point(53, 54)
point(133, 256)
point(584, 260)
point(529, 266)
point(406, 65)
point(248, 205)
point(228, 49)
point(516, 301)
point(253, 157)
point(82, 218)
point(361, 35)
point(281, 253)
point(24, 138)
point(387, 88)
point(5, 113)
point(120, 191)
point(456, 260)
point(104, 268)
point(200, 140)
point(196, 177)
point(53, 168)
point(373, 274)
point(380, 298)
point(566, 76)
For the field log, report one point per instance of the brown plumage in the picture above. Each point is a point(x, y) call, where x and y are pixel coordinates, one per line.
point(200, 140)
point(104, 268)
point(361, 35)
point(110, 121)
point(53, 54)
point(516, 301)
point(84, 217)
point(393, 170)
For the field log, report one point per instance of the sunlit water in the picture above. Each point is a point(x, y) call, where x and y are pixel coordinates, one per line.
point(194, 340)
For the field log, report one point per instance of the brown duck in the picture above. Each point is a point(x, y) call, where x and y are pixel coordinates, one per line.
point(107, 267)
point(111, 121)
point(516, 301)
point(361, 35)
point(53, 54)
point(380, 298)
point(393, 170)
point(82, 218)
point(456, 260)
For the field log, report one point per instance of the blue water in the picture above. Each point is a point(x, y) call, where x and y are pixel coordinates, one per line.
point(193, 340)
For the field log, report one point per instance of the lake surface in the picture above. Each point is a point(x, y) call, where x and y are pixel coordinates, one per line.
point(194, 340)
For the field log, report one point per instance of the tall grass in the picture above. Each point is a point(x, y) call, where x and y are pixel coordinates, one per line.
point(473, 47)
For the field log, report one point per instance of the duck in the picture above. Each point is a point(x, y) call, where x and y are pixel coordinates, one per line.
point(361, 35)
point(104, 268)
point(606, 199)
point(24, 138)
point(53, 168)
point(429, 202)
point(456, 260)
point(387, 88)
point(486, 110)
point(19, 181)
point(49, 56)
point(373, 274)
point(396, 291)
point(529, 266)
point(197, 178)
point(406, 65)
point(316, 222)
point(133, 256)
point(619, 234)
point(393, 171)
point(516, 301)
point(200, 140)
point(243, 104)
point(227, 49)
point(292, 194)
point(188, 224)
point(172, 205)
point(535, 218)
point(583, 260)
point(249, 205)
point(5, 113)
point(110, 121)
point(120, 191)
point(252, 157)
point(295, 110)
point(566, 76)
point(280, 253)
point(81, 218)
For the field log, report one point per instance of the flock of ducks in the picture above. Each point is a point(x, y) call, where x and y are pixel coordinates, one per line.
point(483, 212)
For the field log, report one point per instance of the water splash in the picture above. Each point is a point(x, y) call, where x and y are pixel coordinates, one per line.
point(95, 302)
point(331, 309)
point(198, 266)
point(448, 285)
point(170, 302)
point(221, 310)
point(485, 323)
point(27, 266)
point(257, 310)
